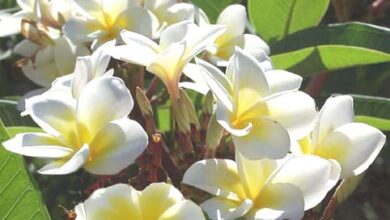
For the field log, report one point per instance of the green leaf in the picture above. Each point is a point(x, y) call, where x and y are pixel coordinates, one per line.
point(11, 116)
point(164, 118)
point(275, 19)
point(214, 7)
point(372, 110)
point(382, 124)
point(332, 47)
point(20, 196)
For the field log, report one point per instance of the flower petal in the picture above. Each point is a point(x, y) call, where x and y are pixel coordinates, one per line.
point(119, 201)
point(199, 84)
point(296, 111)
point(218, 83)
point(179, 12)
point(281, 81)
point(183, 210)
point(249, 82)
point(354, 145)
point(138, 20)
point(254, 174)
point(336, 111)
point(36, 145)
point(302, 170)
point(219, 208)
point(255, 46)
point(234, 17)
point(146, 49)
point(26, 48)
point(279, 201)
point(222, 116)
point(216, 176)
point(267, 139)
point(55, 115)
point(9, 25)
point(103, 100)
point(116, 146)
point(62, 167)
point(65, 53)
point(158, 197)
point(81, 29)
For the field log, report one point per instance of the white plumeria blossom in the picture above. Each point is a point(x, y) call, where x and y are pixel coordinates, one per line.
point(102, 20)
point(336, 136)
point(50, 13)
point(45, 63)
point(235, 19)
point(263, 189)
point(179, 43)
point(87, 69)
point(92, 132)
point(158, 201)
point(262, 110)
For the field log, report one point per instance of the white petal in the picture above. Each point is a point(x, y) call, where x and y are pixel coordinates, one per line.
point(114, 202)
point(139, 49)
point(116, 146)
point(249, 82)
point(65, 55)
point(9, 25)
point(179, 12)
point(175, 33)
point(82, 75)
point(217, 82)
point(183, 210)
point(296, 111)
point(216, 176)
point(279, 201)
point(267, 139)
point(80, 29)
point(254, 45)
point(138, 20)
point(199, 84)
point(103, 100)
point(22, 101)
point(301, 171)
point(55, 115)
point(69, 166)
point(281, 81)
point(355, 146)
point(335, 112)
point(222, 116)
point(100, 58)
point(37, 145)
point(219, 208)
point(26, 48)
point(234, 17)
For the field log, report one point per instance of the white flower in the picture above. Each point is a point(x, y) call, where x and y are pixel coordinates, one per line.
point(336, 136)
point(158, 201)
point(179, 43)
point(44, 63)
point(262, 110)
point(49, 13)
point(262, 189)
point(87, 69)
point(102, 20)
point(92, 132)
point(235, 19)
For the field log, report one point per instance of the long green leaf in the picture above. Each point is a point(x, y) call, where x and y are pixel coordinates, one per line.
point(275, 19)
point(11, 116)
point(374, 111)
point(19, 195)
point(214, 7)
point(332, 47)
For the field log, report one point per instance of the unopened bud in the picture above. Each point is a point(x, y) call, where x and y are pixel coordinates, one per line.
point(208, 107)
point(214, 133)
point(143, 102)
point(189, 108)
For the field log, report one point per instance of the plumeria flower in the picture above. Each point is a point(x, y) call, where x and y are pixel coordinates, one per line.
point(102, 20)
point(262, 110)
point(235, 19)
point(158, 201)
point(49, 13)
point(336, 136)
point(44, 62)
point(179, 43)
point(92, 132)
point(87, 69)
point(262, 189)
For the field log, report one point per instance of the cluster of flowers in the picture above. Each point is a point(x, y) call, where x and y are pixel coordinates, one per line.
point(287, 154)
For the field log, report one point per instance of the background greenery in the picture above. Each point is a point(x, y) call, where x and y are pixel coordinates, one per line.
point(348, 58)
